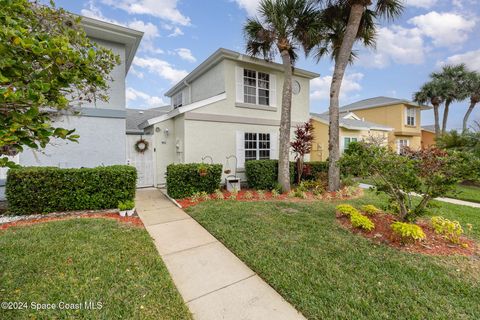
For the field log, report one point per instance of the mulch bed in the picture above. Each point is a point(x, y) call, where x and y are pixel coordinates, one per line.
point(433, 244)
point(134, 221)
point(326, 196)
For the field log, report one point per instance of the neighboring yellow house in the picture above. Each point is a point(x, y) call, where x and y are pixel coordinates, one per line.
point(428, 136)
point(352, 129)
point(402, 115)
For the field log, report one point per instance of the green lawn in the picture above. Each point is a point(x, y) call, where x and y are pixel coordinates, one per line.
point(326, 272)
point(467, 193)
point(80, 260)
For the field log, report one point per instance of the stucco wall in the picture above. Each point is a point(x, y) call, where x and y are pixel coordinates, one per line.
point(428, 139)
point(165, 152)
point(209, 84)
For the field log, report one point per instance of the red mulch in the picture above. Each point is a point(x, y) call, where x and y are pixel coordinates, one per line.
point(188, 202)
point(135, 221)
point(433, 244)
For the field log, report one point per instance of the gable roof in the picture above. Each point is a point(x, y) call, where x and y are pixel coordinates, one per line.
point(351, 123)
point(136, 117)
point(429, 128)
point(222, 54)
point(115, 33)
point(379, 102)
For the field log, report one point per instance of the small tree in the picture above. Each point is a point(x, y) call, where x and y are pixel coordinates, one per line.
point(428, 173)
point(302, 145)
point(47, 65)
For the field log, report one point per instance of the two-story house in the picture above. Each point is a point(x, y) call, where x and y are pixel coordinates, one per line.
point(397, 120)
point(227, 111)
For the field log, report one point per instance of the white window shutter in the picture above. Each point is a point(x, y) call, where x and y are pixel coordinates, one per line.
point(240, 146)
point(274, 145)
point(239, 84)
point(273, 90)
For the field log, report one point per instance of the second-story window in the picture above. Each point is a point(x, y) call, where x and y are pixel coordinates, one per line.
point(411, 116)
point(256, 87)
point(177, 100)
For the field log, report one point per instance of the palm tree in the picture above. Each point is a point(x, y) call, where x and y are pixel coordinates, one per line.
point(432, 92)
point(455, 78)
point(473, 88)
point(283, 27)
point(389, 9)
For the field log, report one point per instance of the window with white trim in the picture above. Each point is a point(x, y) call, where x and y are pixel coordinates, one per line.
point(256, 87)
point(411, 116)
point(257, 146)
point(347, 141)
point(177, 100)
point(401, 144)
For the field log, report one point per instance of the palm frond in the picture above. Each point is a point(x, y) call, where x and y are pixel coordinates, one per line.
point(389, 9)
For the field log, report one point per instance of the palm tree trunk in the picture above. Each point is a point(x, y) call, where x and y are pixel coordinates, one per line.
point(437, 120)
point(341, 63)
point(445, 116)
point(285, 124)
point(467, 115)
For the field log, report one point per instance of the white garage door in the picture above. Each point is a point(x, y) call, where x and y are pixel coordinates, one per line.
point(142, 161)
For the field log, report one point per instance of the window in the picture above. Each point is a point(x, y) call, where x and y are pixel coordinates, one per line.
point(177, 100)
point(411, 116)
point(347, 141)
point(402, 143)
point(257, 146)
point(256, 87)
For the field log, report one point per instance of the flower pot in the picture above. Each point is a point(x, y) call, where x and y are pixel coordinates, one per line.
point(123, 213)
point(131, 212)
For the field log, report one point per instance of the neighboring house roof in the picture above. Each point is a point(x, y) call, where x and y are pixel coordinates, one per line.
point(351, 123)
point(429, 128)
point(115, 33)
point(221, 54)
point(136, 117)
point(379, 102)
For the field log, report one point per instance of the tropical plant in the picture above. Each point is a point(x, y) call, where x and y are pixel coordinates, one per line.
point(346, 210)
point(473, 88)
point(341, 48)
point(454, 78)
point(282, 26)
point(432, 92)
point(451, 230)
point(302, 145)
point(360, 221)
point(48, 65)
point(370, 209)
point(408, 232)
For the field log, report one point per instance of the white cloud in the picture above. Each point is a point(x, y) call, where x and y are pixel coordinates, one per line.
point(149, 100)
point(470, 58)
point(445, 29)
point(161, 68)
point(185, 54)
point(176, 32)
point(426, 4)
point(249, 5)
point(320, 87)
point(395, 44)
point(164, 9)
point(149, 29)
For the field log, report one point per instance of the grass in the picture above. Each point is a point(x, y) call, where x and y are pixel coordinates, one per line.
point(79, 260)
point(467, 193)
point(326, 272)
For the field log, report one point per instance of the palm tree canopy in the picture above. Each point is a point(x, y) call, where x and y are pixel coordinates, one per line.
point(282, 25)
point(473, 86)
point(388, 9)
point(455, 79)
point(431, 92)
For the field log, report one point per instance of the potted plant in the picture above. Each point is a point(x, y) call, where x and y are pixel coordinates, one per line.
point(202, 170)
point(122, 208)
point(126, 208)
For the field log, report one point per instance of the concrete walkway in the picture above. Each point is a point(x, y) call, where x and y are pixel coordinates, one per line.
point(214, 283)
point(448, 200)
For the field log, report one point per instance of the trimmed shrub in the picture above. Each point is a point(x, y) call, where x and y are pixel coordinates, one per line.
point(346, 210)
point(408, 231)
point(48, 189)
point(183, 180)
point(263, 174)
point(451, 230)
point(360, 221)
point(313, 170)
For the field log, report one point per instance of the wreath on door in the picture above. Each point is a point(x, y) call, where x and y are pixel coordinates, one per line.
point(141, 145)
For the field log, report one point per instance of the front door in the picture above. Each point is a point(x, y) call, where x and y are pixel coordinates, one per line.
point(143, 161)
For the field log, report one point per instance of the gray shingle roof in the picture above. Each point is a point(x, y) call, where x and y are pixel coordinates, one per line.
point(430, 128)
point(377, 102)
point(137, 116)
point(353, 124)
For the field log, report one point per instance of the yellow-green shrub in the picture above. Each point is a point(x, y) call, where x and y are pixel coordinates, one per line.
point(370, 209)
point(360, 221)
point(346, 210)
point(451, 230)
point(408, 231)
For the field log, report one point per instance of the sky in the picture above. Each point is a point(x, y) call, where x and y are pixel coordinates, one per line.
point(180, 34)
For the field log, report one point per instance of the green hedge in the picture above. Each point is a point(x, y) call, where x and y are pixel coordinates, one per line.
point(49, 189)
point(183, 180)
point(263, 174)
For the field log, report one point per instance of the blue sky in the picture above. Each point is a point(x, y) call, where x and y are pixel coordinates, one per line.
point(180, 34)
